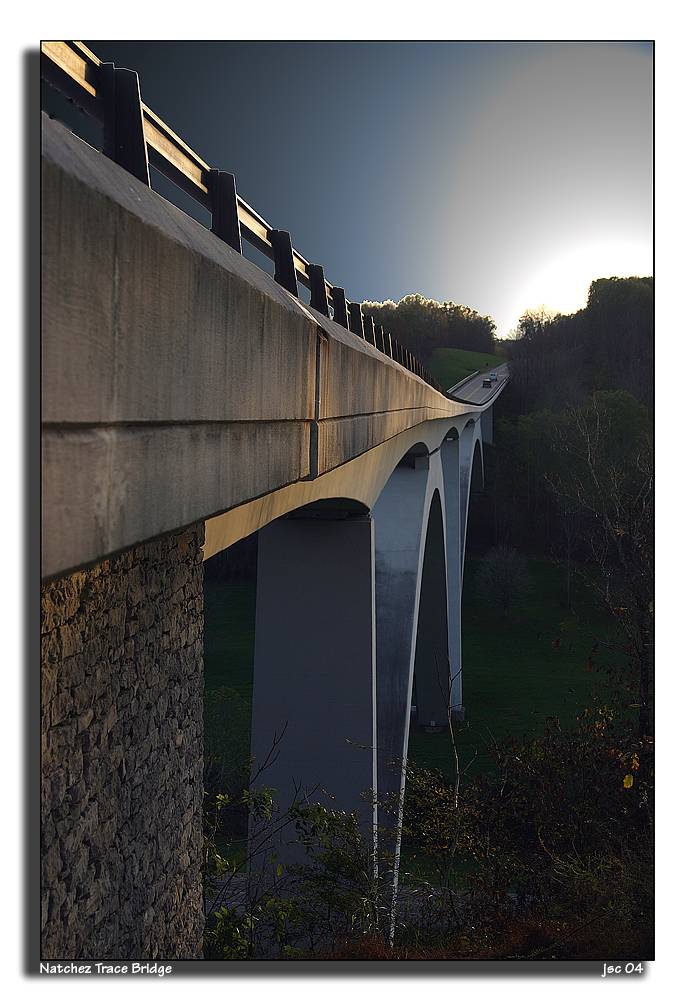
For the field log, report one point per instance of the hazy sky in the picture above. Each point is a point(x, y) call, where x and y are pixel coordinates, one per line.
point(500, 175)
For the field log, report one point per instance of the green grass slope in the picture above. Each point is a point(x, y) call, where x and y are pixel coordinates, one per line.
point(228, 658)
point(450, 365)
point(540, 662)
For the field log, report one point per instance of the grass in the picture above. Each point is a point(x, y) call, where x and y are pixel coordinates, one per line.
point(229, 635)
point(228, 657)
point(517, 673)
point(450, 365)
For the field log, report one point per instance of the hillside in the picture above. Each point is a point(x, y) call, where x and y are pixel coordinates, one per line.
point(450, 365)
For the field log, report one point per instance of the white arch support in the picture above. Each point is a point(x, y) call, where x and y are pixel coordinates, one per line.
point(400, 522)
point(451, 466)
point(471, 468)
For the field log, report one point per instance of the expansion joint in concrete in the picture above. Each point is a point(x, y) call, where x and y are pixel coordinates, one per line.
point(314, 426)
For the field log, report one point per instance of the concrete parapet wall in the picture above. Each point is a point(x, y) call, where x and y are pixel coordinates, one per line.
point(101, 486)
point(178, 379)
point(122, 756)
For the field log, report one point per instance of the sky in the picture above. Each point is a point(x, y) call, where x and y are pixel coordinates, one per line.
point(501, 175)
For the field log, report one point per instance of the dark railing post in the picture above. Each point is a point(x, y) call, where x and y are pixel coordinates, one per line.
point(283, 255)
point(317, 281)
point(124, 131)
point(356, 324)
point(340, 307)
point(369, 331)
point(224, 208)
point(381, 339)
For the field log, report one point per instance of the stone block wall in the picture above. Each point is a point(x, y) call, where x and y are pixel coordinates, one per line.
point(122, 756)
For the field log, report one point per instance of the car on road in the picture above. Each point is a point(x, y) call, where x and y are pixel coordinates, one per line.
point(487, 383)
point(493, 376)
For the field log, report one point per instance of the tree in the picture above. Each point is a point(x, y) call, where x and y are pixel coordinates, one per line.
point(606, 475)
point(534, 323)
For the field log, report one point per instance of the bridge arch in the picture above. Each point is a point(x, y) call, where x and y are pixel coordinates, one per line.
point(471, 478)
point(350, 598)
point(431, 663)
point(478, 470)
point(362, 478)
point(452, 450)
point(328, 508)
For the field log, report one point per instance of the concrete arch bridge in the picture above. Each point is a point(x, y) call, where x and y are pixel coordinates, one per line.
point(189, 400)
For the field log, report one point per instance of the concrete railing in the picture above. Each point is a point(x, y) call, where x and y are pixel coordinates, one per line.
point(136, 138)
point(452, 389)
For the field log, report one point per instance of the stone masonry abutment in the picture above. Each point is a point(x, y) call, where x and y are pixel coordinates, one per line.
point(122, 755)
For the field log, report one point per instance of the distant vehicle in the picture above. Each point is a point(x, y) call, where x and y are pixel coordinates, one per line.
point(487, 383)
point(493, 376)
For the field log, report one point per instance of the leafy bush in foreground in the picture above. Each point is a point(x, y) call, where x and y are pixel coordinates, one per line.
point(549, 858)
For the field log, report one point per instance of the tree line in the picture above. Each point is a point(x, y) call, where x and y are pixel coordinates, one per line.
point(423, 325)
point(570, 474)
point(559, 360)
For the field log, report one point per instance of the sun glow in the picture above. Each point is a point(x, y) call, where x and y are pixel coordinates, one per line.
point(563, 284)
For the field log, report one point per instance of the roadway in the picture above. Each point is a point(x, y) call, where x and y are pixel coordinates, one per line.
point(472, 389)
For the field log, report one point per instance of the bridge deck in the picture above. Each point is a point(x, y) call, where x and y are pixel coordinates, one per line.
point(178, 379)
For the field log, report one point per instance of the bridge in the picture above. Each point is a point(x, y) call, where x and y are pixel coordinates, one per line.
point(189, 400)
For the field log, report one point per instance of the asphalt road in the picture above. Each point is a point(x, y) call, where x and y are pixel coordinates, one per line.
point(473, 391)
